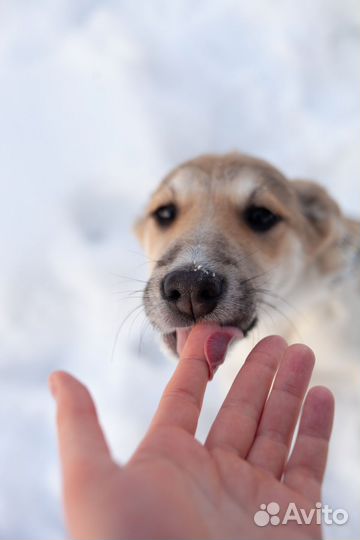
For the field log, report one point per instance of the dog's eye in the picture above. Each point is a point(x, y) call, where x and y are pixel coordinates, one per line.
point(260, 219)
point(165, 215)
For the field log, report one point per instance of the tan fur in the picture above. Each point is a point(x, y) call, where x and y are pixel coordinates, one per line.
point(311, 216)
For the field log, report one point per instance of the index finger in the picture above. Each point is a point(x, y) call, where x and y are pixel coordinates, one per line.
point(182, 399)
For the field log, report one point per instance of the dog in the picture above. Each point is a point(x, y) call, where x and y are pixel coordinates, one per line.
point(233, 241)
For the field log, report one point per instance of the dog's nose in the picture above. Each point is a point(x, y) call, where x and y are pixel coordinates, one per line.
point(193, 293)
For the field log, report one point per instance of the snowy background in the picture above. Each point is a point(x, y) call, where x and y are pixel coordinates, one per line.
point(97, 101)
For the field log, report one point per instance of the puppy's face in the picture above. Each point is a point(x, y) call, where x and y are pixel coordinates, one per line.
point(226, 235)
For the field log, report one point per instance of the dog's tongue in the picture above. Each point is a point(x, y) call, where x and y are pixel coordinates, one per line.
point(215, 346)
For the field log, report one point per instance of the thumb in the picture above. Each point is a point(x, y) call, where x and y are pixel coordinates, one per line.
point(82, 445)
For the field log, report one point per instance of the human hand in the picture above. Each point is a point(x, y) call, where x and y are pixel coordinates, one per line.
point(176, 487)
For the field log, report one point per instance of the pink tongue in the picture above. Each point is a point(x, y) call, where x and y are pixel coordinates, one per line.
point(215, 347)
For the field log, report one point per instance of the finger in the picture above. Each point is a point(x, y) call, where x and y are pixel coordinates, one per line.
point(272, 441)
point(83, 450)
point(306, 467)
point(237, 421)
point(181, 402)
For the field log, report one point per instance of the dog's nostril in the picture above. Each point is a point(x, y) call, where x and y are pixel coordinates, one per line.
point(172, 286)
point(205, 294)
point(210, 291)
point(173, 295)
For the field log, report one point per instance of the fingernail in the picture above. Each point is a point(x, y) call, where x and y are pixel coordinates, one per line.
point(215, 349)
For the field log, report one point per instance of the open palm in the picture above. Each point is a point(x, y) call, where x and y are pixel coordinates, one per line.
point(176, 487)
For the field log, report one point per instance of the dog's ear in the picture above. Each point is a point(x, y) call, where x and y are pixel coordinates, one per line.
point(324, 227)
point(317, 207)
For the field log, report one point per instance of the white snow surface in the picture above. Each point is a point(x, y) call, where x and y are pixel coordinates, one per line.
point(98, 99)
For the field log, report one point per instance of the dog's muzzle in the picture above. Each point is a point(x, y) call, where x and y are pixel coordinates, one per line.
point(189, 286)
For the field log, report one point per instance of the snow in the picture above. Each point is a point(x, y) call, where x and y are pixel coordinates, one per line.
point(97, 101)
